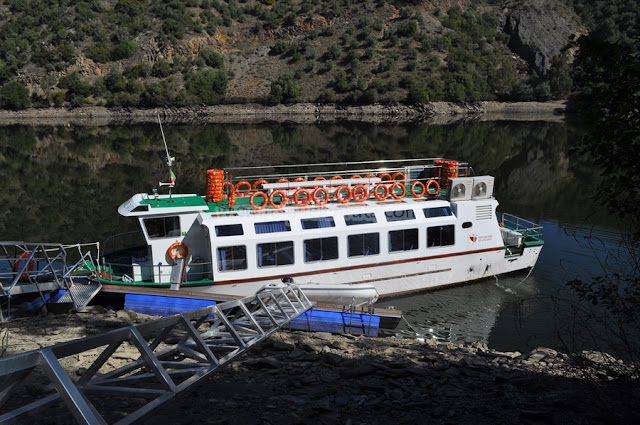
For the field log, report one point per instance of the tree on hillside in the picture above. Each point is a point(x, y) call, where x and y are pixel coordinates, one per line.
point(608, 79)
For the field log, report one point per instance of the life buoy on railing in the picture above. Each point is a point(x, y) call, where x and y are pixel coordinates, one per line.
point(302, 197)
point(283, 199)
point(240, 191)
point(356, 176)
point(16, 266)
point(359, 193)
point(413, 189)
point(381, 196)
point(336, 178)
point(257, 184)
point(319, 178)
point(398, 174)
point(283, 180)
point(388, 177)
point(264, 202)
point(227, 188)
point(178, 250)
point(300, 179)
point(436, 186)
point(343, 190)
point(320, 196)
point(403, 190)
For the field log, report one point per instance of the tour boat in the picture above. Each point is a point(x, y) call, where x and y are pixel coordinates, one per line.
point(344, 232)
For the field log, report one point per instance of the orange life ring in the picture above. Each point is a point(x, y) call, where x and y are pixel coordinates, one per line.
point(319, 178)
point(283, 180)
point(381, 196)
point(356, 176)
point(228, 187)
point(300, 179)
point(245, 192)
point(342, 189)
point(403, 190)
point(304, 201)
point(16, 266)
point(283, 198)
point(398, 174)
point(258, 183)
point(387, 175)
point(413, 189)
point(359, 193)
point(428, 187)
point(320, 200)
point(336, 178)
point(178, 250)
point(264, 203)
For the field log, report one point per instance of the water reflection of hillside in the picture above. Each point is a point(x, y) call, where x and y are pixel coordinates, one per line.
point(64, 183)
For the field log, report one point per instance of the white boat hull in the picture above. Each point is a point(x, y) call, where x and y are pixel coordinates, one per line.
point(341, 287)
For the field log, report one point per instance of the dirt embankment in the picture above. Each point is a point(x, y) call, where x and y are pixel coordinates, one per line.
point(431, 113)
point(320, 378)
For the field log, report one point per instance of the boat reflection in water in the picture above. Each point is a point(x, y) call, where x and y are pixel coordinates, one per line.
point(464, 313)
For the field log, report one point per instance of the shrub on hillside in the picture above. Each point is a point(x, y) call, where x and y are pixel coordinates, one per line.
point(14, 95)
point(209, 85)
point(284, 90)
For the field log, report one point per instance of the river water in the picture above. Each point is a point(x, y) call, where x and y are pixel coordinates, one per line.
point(64, 184)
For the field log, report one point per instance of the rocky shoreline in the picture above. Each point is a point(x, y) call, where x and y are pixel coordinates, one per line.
point(431, 113)
point(311, 378)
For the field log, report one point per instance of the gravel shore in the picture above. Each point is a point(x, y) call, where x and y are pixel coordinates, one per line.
point(320, 378)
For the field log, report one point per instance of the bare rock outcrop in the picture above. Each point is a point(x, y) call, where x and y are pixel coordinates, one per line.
point(540, 30)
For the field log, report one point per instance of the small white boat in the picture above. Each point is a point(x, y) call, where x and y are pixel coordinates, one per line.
point(393, 227)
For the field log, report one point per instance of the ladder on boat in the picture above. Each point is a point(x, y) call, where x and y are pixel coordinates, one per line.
point(40, 268)
point(169, 355)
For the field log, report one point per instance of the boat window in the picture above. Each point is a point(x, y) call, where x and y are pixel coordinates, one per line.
point(400, 215)
point(229, 230)
point(467, 224)
point(163, 227)
point(440, 236)
point(364, 244)
point(232, 258)
point(320, 249)
point(317, 223)
point(403, 240)
point(437, 212)
point(141, 208)
point(273, 227)
point(275, 254)
point(355, 219)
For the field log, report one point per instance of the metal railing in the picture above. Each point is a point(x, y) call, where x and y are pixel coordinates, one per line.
point(41, 267)
point(525, 227)
point(161, 368)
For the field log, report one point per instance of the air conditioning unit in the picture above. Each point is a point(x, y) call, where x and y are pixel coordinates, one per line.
point(482, 187)
point(460, 189)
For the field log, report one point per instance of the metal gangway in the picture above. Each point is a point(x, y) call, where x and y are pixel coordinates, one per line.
point(39, 268)
point(171, 354)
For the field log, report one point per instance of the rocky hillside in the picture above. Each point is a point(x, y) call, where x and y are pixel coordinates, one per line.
point(144, 53)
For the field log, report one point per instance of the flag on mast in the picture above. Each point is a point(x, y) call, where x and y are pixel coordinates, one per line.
point(172, 177)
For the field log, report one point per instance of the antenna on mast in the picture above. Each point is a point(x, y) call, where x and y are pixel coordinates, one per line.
point(170, 159)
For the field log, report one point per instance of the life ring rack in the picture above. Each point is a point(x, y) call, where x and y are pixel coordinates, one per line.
point(178, 250)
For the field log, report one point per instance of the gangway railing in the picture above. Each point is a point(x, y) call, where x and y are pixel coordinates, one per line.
point(43, 267)
point(170, 355)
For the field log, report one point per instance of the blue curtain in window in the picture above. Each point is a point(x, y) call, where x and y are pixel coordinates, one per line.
point(273, 227)
point(222, 259)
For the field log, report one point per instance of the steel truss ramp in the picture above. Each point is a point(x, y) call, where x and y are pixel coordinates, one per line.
point(169, 355)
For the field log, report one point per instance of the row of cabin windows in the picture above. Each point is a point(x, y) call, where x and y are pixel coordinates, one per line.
point(165, 227)
point(325, 222)
point(323, 249)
